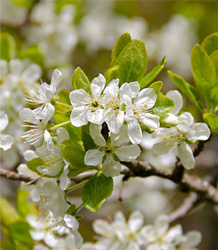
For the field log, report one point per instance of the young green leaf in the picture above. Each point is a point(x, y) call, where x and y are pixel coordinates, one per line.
point(203, 71)
point(80, 80)
point(190, 91)
point(74, 154)
point(7, 47)
point(148, 78)
point(7, 213)
point(34, 163)
point(214, 59)
point(96, 190)
point(86, 138)
point(110, 72)
point(19, 230)
point(24, 208)
point(214, 96)
point(120, 44)
point(210, 43)
point(157, 86)
point(212, 121)
point(163, 105)
point(32, 53)
point(132, 61)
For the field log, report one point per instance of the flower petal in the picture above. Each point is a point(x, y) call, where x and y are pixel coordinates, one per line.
point(93, 157)
point(193, 238)
point(111, 167)
point(135, 88)
point(134, 132)
point(177, 99)
point(101, 227)
point(79, 97)
point(186, 155)
point(199, 131)
point(187, 121)
point(3, 120)
point(149, 120)
point(78, 117)
point(161, 225)
point(112, 88)
point(120, 138)
point(6, 141)
point(95, 132)
point(33, 72)
point(71, 222)
point(97, 86)
point(128, 153)
point(146, 98)
point(96, 116)
point(56, 78)
point(135, 221)
point(162, 147)
point(62, 135)
point(111, 120)
point(16, 66)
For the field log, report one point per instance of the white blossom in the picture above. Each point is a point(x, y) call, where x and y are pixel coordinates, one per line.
point(181, 136)
point(139, 105)
point(42, 93)
point(53, 160)
point(118, 235)
point(109, 151)
point(37, 120)
point(6, 141)
point(88, 108)
point(160, 236)
point(15, 77)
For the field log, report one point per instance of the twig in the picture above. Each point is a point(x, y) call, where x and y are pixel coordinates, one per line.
point(188, 204)
point(14, 176)
point(188, 183)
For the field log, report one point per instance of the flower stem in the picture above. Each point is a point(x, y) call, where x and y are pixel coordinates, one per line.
point(75, 186)
point(59, 125)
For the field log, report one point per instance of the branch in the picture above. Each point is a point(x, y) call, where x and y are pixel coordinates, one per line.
point(187, 183)
point(15, 176)
point(185, 208)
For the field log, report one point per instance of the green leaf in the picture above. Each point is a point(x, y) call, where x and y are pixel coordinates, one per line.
point(96, 190)
point(74, 154)
point(210, 43)
point(203, 71)
point(132, 61)
point(80, 80)
point(7, 47)
point(211, 120)
point(163, 105)
point(148, 78)
point(190, 91)
point(214, 59)
point(120, 44)
point(214, 96)
point(109, 73)
point(24, 3)
point(32, 53)
point(7, 213)
point(19, 230)
point(157, 86)
point(24, 208)
point(6, 245)
point(34, 163)
point(86, 137)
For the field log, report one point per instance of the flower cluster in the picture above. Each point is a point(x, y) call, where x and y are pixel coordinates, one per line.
point(131, 234)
